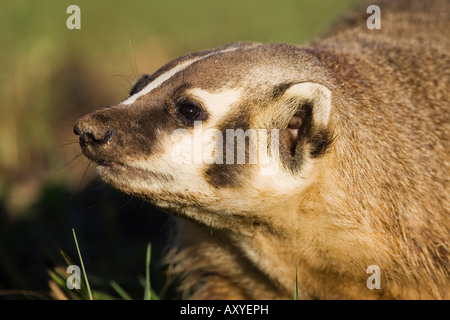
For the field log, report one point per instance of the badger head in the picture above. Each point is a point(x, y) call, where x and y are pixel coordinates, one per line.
point(238, 131)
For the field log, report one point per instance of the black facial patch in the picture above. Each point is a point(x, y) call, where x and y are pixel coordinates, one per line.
point(230, 175)
point(224, 175)
point(140, 84)
point(141, 129)
point(320, 142)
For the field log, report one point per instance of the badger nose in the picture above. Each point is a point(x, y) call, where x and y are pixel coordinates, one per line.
point(92, 136)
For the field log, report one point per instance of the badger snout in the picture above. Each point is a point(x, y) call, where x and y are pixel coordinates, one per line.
point(96, 137)
point(92, 136)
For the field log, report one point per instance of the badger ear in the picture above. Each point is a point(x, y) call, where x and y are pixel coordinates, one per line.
point(307, 109)
point(314, 94)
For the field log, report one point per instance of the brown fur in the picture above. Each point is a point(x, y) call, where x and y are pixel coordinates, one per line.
point(376, 193)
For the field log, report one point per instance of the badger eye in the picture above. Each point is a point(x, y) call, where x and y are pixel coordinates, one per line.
point(188, 110)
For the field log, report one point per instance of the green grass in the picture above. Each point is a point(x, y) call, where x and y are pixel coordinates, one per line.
point(120, 291)
point(85, 293)
point(88, 287)
point(148, 292)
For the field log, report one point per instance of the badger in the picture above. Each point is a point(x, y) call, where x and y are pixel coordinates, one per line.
point(328, 162)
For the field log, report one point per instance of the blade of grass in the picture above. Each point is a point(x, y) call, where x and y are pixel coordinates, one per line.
point(296, 283)
point(148, 290)
point(82, 266)
point(119, 290)
point(66, 258)
point(142, 282)
point(99, 295)
point(56, 278)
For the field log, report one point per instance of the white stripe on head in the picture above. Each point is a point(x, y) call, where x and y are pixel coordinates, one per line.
point(169, 74)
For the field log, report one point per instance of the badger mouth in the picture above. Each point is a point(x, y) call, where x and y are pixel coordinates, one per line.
point(119, 167)
point(144, 184)
point(116, 168)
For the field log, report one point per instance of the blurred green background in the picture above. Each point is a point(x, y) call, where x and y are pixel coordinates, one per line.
point(50, 76)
